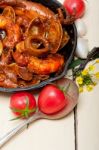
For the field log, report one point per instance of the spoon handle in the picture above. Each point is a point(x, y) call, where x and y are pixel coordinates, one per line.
point(4, 139)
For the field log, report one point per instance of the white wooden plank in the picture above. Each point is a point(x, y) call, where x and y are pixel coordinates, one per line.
point(88, 121)
point(88, 108)
point(43, 134)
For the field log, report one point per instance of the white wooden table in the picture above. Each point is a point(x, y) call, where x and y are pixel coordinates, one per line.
point(61, 135)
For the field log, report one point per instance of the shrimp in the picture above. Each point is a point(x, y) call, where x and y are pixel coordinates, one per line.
point(46, 66)
point(13, 35)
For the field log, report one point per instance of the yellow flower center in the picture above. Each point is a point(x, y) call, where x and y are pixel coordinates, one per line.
point(89, 88)
point(91, 68)
point(84, 72)
point(79, 80)
point(97, 75)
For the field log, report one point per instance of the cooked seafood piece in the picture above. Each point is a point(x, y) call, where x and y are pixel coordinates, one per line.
point(13, 32)
point(8, 78)
point(21, 59)
point(65, 39)
point(6, 57)
point(9, 13)
point(1, 47)
point(48, 29)
point(31, 46)
point(21, 72)
point(46, 66)
point(35, 8)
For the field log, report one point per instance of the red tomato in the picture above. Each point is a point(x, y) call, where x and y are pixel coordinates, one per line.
point(51, 100)
point(23, 104)
point(76, 7)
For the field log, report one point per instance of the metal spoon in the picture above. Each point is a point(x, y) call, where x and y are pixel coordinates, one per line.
point(72, 94)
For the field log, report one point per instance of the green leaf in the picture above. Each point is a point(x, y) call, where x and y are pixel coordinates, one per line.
point(75, 63)
point(33, 110)
point(16, 110)
point(64, 89)
point(26, 114)
point(16, 118)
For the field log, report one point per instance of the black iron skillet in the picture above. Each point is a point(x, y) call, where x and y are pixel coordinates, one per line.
point(67, 51)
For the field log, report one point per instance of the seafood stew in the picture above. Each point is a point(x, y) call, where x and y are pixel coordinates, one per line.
point(37, 43)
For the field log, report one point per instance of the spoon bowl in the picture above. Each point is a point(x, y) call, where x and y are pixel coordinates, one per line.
point(72, 95)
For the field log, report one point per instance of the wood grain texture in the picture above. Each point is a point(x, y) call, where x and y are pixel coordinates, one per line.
point(88, 108)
